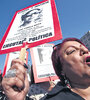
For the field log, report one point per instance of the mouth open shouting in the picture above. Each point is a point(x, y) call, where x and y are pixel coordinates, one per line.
point(88, 61)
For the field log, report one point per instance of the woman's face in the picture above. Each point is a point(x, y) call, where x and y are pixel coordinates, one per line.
point(75, 60)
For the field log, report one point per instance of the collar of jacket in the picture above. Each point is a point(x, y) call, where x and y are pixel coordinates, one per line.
point(59, 87)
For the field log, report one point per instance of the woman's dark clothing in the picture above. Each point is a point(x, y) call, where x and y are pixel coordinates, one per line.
point(2, 96)
point(60, 92)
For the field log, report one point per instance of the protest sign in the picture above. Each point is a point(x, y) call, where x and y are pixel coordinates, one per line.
point(42, 64)
point(33, 25)
point(0, 72)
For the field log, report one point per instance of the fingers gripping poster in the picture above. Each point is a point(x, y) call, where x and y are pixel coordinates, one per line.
point(10, 57)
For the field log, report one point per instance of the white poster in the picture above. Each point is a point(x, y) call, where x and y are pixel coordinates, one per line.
point(33, 25)
point(41, 62)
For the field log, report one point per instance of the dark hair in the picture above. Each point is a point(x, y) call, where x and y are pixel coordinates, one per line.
point(56, 57)
point(1, 77)
point(32, 76)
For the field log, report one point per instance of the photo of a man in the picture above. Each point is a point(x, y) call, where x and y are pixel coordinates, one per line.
point(44, 55)
point(33, 15)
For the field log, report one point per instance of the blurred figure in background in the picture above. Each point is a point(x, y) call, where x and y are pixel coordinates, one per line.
point(37, 90)
point(2, 94)
point(1, 82)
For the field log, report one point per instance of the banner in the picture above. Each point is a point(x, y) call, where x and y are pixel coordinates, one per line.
point(33, 25)
point(42, 64)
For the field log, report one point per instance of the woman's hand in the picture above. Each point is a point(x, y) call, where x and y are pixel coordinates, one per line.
point(16, 84)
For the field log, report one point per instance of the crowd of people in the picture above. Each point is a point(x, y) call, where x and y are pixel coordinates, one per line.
point(71, 61)
point(2, 94)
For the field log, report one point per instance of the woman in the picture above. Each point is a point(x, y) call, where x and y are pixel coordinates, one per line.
point(71, 61)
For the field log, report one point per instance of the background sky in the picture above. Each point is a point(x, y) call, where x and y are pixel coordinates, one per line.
point(74, 17)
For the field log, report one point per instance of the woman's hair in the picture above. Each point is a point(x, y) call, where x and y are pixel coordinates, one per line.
point(32, 76)
point(1, 77)
point(56, 57)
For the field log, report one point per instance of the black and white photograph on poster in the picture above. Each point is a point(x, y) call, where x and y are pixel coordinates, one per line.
point(44, 55)
point(34, 15)
point(30, 25)
point(41, 61)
